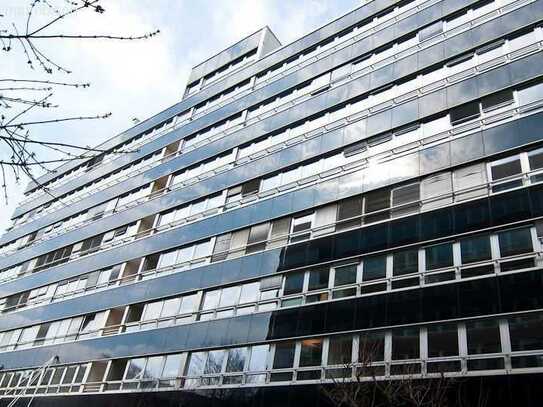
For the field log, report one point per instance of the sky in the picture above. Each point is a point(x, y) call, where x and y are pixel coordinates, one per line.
point(138, 79)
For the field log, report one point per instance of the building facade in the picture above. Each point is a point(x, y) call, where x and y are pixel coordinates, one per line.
point(375, 184)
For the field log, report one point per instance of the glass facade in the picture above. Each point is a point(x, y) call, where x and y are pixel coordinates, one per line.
point(362, 204)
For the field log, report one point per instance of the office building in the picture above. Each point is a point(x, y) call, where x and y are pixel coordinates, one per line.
point(375, 182)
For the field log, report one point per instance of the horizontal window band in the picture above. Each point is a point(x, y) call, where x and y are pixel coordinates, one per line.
point(468, 299)
point(441, 224)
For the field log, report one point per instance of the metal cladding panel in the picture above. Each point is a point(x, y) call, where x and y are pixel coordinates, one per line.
point(207, 119)
point(494, 295)
point(472, 88)
point(282, 205)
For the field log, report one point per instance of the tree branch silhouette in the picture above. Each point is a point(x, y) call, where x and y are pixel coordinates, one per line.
point(21, 97)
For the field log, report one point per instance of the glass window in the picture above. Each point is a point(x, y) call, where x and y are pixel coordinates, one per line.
point(526, 332)
point(431, 30)
point(340, 350)
point(464, 113)
point(171, 366)
point(211, 299)
point(152, 310)
point(497, 100)
point(442, 340)
point(531, 94)
point(236, 359)
point(69, 375)
point(153, 367)
point(311, 352)
point(294, 283)
point(259, 357)
point(250, 187)
point(483, 337)
point(249, 292)
point(184, 254)
point(348, 209)
point(371, 347)
point(167, 259)
point(284, 355)
point(475, 248)
point(229, 296)
point(405, 262)
point(257, 238)
point(171, 307)
point(318, 279)
point(405, 194)
point(290, 176)
point(439, 256)
point(405, 343)
point(515, 241)
point(196, 363)
point(214, 361)
point(374, 268)
point(535, 158)
point(270, 182)
point(345, 275)
point(135, 367)
point(505, 169)
point(202, 250)
point(189, 303)
point(377, 200)
point(222, 244)
point(299, 225)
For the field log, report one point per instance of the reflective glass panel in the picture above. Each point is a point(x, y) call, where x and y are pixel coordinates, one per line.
point(340, 350)
point(284, 355)
point(483, 337)
point(374, 268)
point(236, 359)
point(475, 248)
point(259, 357)
point(442, 340)
point(439, 256)
point(515, 241)
point(311, 352)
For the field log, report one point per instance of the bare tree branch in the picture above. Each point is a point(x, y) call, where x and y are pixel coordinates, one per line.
point(22, 97)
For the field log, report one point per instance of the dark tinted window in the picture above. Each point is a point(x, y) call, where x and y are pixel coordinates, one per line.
point(439, 256)
point(371, 347)
point(294, 283)
point(442, 340)
point(465, 112)
point(497, 100)
point(345, 275)
point(405, 262)
point(405, 343)
point(284, 355)
point(311, 352)
point(475, 249)
point(483, 337)
point(536, 160)
point(507, 169)
point(347, 209)
point(340, 350)
point(515, 241)
point(318, 279)
point(250, 187)
point(374, 268)
point(377, 200)
point(526, 332)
